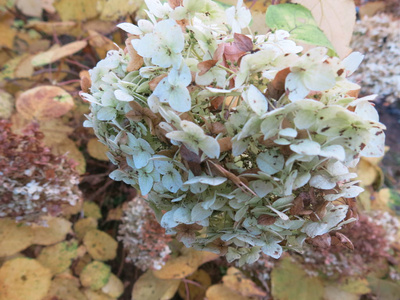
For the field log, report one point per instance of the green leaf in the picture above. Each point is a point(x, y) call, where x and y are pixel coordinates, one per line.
point(289, 281)
point(300, 23)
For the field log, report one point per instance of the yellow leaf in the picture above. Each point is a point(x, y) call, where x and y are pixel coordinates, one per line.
point(114, 287)
point(44, 103)
point(6, 105)
point(82, 226)
point(55, 132)
point(113, 10)
point(81, 263)
point(91, 209)
point(55, 231)
point(95, 275)
point(184, 265)
point(65, 289)
point(96, 295)
point(235, 280)
point(23, 279)
point(57, 258)
point(336, 19)
point(76, 10)
point(56, 53)
point(17, 67)
point(150, 287)
point(100, 245)
point(221, 292)
point(97, 150)
point(359, 286)
point(14, 237)
point(371, 8)
point(196, 292)
point(68, 147)
point(7, 35)
point(367, 172)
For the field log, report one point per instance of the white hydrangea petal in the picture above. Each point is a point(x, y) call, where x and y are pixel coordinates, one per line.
point(270, 161)
point(130, 28)
point(256, 100)
point(295, 86)
point(306, 147)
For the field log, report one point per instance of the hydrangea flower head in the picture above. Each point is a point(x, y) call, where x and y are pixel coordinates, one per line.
point(240, 144)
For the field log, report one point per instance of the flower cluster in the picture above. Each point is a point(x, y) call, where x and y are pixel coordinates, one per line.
point(379, 38)
point(143, 237)
point(240, 143)
point(33, 182)
point(371, 236)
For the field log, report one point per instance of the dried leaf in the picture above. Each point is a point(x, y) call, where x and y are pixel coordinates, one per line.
point(196, 292)
point(182, 266)
point(14, 237)
point(91, 209)
point(371, 8)
point(100, 43)
point(97, 150)
point(95, 275)
point(24, 278)
point(86, 81)
point(31, 8)
point(242, 42)
point(236, 281)
point(266, 220)
point(100, 245)
point(68, 147)
point(114, 287)
point(220, 292)
point(44, 103)
point(7, 35)
point(58, 258)
point(6, 105)
point(82, 226)
point(55, 231)
point(65, 289)
point(51, 28)
point(113, 10)
point(150, 287)
point(96, 295)
point(206, 65)
point(76, 10)
point(56, 53)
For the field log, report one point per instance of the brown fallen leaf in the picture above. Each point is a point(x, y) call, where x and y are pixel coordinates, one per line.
point(7, 35)
point(150, 287)
point(56, 53)
point(266, 220)
point(238, 282)
point(44, 103)
point(51, 28)
point(100, 43)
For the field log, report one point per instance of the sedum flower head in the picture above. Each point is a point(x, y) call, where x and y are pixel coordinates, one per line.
point(240, 144)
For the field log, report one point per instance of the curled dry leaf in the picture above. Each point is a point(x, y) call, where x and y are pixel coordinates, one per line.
point(24, 278)
point(44, 103)
point(150, 287)
point(86, 82)
point(14, 237)
point(136, 61)
point(51, 28)
point(56, 53)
